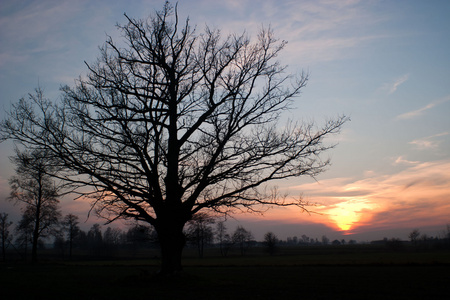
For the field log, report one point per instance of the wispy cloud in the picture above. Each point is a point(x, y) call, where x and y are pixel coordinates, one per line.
point(392, 86)
point(25, 28)
point(417, 112)
point(317, 30)
point(320, 31)
point(403, 161)
point(420, 111)
point(428, 142)
point(417, 196)
point(326, 48)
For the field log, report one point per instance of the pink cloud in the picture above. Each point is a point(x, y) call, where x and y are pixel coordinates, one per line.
point(429, 142)
point(419, 195)
point(420, 111)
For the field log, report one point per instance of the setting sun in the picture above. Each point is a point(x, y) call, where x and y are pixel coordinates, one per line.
point(346, 214)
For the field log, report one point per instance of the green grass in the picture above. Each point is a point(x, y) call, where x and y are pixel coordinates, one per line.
point(306, 276)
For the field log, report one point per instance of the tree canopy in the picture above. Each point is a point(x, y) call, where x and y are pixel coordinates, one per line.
point(34, 188)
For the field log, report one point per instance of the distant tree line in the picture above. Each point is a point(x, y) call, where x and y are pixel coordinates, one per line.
point(67, 236)
point(305, 240)
point(203, 232)
point(421, 241)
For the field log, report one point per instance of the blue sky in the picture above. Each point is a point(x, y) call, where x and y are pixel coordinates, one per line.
point(385, 64)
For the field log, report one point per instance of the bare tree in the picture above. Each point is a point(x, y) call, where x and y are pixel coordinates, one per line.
point(242, 238)
point(139, 236)
point(33, 187)
point(414, 236)
point(95, 239)
point(223, 238)
point(270, 241)
point(111, 241)
point(306, 239)
point(112, 236)
point(446, 232)
point(325, 240)
point(24, 233)
point(5, 233)
point(70, 226)
point(173, 122)
point(199, 231)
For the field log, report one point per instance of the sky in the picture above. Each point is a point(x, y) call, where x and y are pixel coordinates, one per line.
point(385, 64)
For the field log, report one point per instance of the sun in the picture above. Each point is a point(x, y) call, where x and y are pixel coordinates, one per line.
point(346, 214)
point(343, 218)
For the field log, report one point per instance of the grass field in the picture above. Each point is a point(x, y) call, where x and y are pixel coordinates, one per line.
point(347, 275)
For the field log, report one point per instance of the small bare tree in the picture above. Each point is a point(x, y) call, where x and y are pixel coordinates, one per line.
point(223, 238)
point(95, 240)
point(325, 240)
point(414, 236)
point(33, 187)
point(175, 122)
point(242, 238)
point(200, 232)
point(71, 228)
point(24, 233)
point(270, 241)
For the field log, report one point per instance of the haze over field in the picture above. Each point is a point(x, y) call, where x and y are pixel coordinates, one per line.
point(385, 64)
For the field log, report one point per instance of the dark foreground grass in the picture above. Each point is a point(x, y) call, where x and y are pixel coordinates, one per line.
point(250, 278)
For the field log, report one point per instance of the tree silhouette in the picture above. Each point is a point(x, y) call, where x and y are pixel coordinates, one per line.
point(95, 239)
point(33, 187)
point(141, 236)
point(242, 238)
point(270, 241)
point(223, 238)
point(200, 232)
point(112, 236)
point(414, 236)
point(70, 226)
point(172, 122)
point(24, 233)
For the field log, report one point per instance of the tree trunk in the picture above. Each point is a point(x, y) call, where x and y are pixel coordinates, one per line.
point(37, 221)
point(172, 242)
point(70, 246)
point(35, 243)
point(35, 237)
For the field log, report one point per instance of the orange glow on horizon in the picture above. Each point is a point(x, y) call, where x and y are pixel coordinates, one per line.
point(345, 215)
point(417, 195)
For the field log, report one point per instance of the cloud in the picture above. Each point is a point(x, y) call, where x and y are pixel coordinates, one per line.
point(417, 112)
point(326, 48)
point(420, 111)
point(320, 31)
point(419, 195)
point(391, 87)
point(37, 24)
point(317, 30)
point(428, 142)
point(402, 161)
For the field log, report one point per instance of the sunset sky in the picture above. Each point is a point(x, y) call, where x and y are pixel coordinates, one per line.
point(386, 64)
